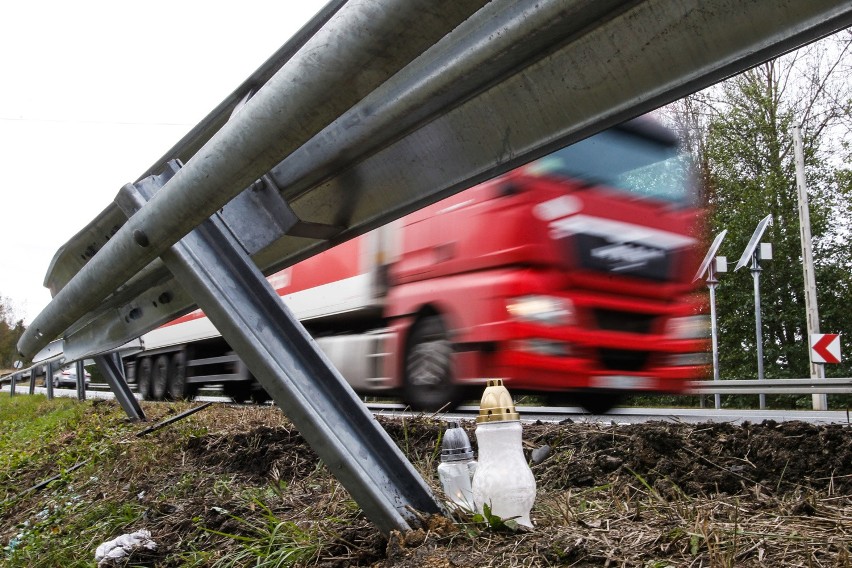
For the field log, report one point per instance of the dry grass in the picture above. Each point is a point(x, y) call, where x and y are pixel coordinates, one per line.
point(238, 486)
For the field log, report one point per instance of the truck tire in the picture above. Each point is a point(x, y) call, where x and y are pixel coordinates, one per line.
point(143, 377)
point(130, 371)
point(160, 377)
point(429, 384)
point(178, 389)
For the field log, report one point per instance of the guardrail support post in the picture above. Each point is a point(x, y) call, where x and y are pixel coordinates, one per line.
point(12, 384)
point(81, 380)
point(283, 357)
point(48, 380)
point(110, 366)
point(32, 379)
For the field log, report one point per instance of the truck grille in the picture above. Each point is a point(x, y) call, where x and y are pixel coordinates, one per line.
point(623, 359)
point(612, 320)
point(628, 258)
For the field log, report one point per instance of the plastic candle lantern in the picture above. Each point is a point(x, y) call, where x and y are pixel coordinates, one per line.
point(457, 466)
point(503, 480)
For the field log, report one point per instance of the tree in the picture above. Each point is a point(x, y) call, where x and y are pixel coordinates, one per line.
point(740, 135)
point(10, 332)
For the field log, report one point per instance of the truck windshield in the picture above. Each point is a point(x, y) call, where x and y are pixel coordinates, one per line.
point(629, 161)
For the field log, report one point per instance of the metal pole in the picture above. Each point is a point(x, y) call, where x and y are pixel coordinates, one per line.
point(755, 272)
point(820, 401)
point(32, 379)
point(712, 282)
point(48, 380)
point(12, 384)
point(81, 380)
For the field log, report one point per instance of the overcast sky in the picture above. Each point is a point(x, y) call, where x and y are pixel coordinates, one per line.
point(92, 92)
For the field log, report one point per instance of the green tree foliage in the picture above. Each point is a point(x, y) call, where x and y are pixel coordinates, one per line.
point(741, 135)
point(10, 332)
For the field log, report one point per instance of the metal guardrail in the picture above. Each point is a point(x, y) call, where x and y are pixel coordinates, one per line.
point(376, 109)
point(438, 112)
point(728, 386)
point(773, 386)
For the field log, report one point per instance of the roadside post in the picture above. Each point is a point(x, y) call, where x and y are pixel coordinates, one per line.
point(81, 380)
point(752, 255)
point(15, 377)
point(711, 265)
point(32, 379)
point(820, 401)
point(48, 379)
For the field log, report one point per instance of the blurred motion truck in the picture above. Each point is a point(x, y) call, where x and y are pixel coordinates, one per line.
point(569, 276)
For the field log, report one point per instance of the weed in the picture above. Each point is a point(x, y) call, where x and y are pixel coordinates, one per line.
point(270, 541)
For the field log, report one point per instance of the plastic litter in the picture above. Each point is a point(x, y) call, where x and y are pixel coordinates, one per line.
point(123, 546)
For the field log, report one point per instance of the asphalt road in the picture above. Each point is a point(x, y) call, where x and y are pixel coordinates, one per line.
point(558, 414)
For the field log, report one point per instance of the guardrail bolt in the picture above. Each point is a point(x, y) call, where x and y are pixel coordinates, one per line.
point(141, 238)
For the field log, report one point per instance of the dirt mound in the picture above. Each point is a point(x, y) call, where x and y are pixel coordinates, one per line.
point(704, 459)
point(695, 460)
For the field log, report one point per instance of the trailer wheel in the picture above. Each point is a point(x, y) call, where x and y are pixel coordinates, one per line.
point(177, 387)
point(160, 377)
point(429, 382)
point(143, 378)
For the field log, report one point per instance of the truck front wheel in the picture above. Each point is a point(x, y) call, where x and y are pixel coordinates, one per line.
point(429, 383)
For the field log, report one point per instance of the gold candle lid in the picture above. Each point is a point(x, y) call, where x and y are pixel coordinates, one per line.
point(496, 404)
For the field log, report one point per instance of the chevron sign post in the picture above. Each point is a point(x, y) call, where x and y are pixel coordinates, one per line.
point(825, 347)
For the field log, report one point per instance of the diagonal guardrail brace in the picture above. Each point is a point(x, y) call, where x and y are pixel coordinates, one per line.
point(233, 293)
point(113, 372)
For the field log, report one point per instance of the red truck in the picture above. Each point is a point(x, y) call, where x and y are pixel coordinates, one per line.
point(569, 276)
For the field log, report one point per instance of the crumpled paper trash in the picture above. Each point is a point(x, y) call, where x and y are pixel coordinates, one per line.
point(123, 546)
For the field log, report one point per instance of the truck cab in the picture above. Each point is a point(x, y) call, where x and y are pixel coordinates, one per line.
point(570, 275)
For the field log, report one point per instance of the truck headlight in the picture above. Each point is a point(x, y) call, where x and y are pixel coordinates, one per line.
point(690, 327)
point(545, 310)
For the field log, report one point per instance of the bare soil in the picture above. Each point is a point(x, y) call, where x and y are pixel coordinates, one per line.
point(608, 495)
point(649, 495)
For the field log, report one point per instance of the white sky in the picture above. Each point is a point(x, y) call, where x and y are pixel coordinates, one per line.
point(92, 92)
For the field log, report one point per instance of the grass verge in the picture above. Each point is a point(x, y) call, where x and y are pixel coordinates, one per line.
point(238, 486)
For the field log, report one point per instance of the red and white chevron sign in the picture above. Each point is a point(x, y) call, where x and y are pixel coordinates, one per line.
point(825, 347)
